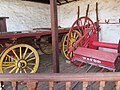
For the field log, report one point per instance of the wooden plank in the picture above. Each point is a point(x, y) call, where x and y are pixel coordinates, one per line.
point(14, 85)
point(51, 85)
point(102, 85)
point(68, 85)
point(108, 76)
point(31, 85)
point(118, 85)
point(85, 84)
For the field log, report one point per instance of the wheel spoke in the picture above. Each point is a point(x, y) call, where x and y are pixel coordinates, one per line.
point(70, 40)
point(12, 57)
point(17, 70)
point(5, 68)
point(29, 68)
point(15, 54)
point(75, 35)
point(31, 64)
point(71, 54)
point(20, 53)
point(20, 70)
point(85, 21)
point(31, 59)
point(5, 64)
point(29, 55)
point(12, 70)
point(65, 45)
point(44, 48)
point(78, 27)
point(25, 53)
point(25, 70)
point(65, 50)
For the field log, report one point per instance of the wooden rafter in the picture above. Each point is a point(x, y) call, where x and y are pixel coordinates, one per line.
point(66, 1)
point(59, 2)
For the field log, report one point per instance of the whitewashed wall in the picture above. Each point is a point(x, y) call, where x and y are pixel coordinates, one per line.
point(108, 9)
point(25, 15)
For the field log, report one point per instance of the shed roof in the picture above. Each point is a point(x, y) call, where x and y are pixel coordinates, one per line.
point(59, 2)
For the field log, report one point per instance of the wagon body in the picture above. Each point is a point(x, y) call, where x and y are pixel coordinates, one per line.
point(19, 49)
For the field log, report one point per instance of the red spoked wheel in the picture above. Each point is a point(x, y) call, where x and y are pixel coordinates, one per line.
point(81, 25)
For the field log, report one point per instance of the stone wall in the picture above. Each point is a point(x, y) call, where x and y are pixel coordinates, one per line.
point(108, 9)
point(24, 15)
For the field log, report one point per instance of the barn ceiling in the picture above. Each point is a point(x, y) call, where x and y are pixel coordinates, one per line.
point(59, 2)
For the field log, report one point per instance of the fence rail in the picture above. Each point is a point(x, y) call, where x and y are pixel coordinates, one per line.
point(32, 79)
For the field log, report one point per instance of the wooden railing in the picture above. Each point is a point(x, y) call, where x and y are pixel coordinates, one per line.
point(32, 79)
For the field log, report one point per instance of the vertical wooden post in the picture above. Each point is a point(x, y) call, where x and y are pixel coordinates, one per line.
point(78, 13)
point(118, 85)
point(51, 85)
point(54, 28)
point(85, 84)
point(87, 10)
point(31, 85)
point(68, 85)
point(3, 27)
point(102, 85)
point(119, 47)
point(14, 85)
point(97, 18)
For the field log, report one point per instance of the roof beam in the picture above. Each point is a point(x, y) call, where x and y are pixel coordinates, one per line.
point(66, 1)
point(59, 2)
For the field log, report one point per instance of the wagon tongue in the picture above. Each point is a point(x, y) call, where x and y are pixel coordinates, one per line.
point(96, 57)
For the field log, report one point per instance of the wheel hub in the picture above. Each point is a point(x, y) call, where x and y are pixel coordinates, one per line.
point(21, 64)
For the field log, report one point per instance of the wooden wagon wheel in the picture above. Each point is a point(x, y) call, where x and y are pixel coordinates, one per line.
point(24, 59)
point(45, 45)
point(75, 35)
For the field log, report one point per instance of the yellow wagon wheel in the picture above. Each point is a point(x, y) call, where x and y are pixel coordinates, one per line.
point(46, 45)
point(75, 35)
point(24, 59)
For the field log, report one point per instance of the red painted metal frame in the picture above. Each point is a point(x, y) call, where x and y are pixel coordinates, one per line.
point(104, 45)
